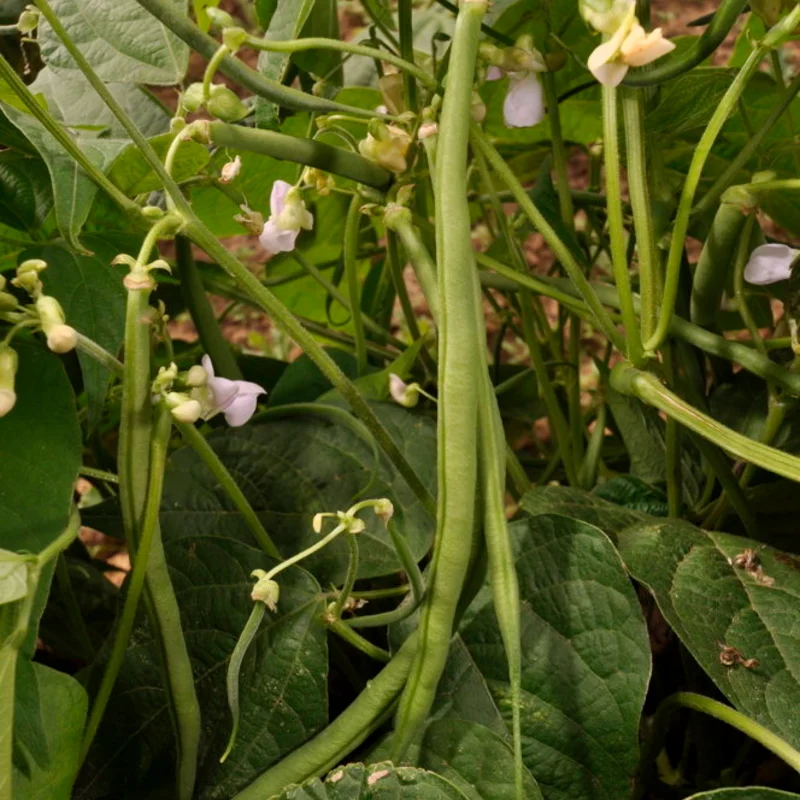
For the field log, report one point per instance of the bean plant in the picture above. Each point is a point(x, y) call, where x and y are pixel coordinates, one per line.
point(400, 410)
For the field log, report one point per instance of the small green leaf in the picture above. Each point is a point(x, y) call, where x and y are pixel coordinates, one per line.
point(41, 453)
point(383, 781)
point(91, 293)
point(25, 194)
point(476, 760)
point(585, 658)
point(121, 40)
point(49, 717)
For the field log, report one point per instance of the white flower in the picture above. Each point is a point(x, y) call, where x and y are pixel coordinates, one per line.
point(230, 170)
point(185, 409)
point(61, 338)
point(387, 145)
point(629, 46)
point(288, 216)
point(237, 400)
point(524, 104)
point(8, 399)
point(770, 263)
point(404, 394)
point(8, 371)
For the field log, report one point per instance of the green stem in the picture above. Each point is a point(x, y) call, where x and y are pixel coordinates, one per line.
point(174, 18)
point(558, 149)
point(266, 300)
point(458, 393)
point(406, 35)
point(349, 248)
point(320, 43)
point(301, 151)
point(194, 294)
point(672, 447)
point(76, 621)
point(650, 390)
point(309, 551)
point(616, 225)
point(742, 256)
point(234, 667)
point(343, 735)
point(100, 355)
point(588, 471)
point(396, 272)
point(423, 265)
point(633, 113)
point(564, 255)
point(347, 634)
point(744, 155)
point(136, 580)
point(226, 482)
point(720, 26)
point(701, 153)
point(99, 474)
point(211, 70)
point(8, 74)
point(350, 577)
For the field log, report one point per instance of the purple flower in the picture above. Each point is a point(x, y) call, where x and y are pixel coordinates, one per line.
point(235, 399)
point(288, 215)
point(770, 263)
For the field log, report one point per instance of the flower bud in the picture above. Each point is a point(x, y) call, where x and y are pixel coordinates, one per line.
point(8, 302)
point(36, 265)
point(192, 98)
point(605, 16)
point(189, 411)
point(477, 111)
point(196, 376)
point(61, 338)
point(150, 212)
point(253, 221)
point(428, 129)
point(28, 20)
point(266, 590)
point(230, 170)
point(387, 145)
point(384, 509)
point(322, 181)
point(225, 105)
point(406, 395)
point(354, 525)
point(8, 371)
point(316, 523)
point(234, 38)
point(220, 19)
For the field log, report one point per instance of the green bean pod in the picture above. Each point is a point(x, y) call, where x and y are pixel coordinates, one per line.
point(718, 255)
point(458, 386)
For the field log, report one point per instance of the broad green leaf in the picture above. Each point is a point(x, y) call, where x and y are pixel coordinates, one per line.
point(585, 658)
point(749, 793)
point(13, 577)
point(630, 492)
point(91, 293)
point(475, 759)
point(265, 9)
point(121, 41)
point(71, 100)
point(25, 194)
point(133, 175)
point(303, 382)
point(73, 190)
point(294, 467)
point(283, 681)
point(326, 65)
point(687, 102)
point(382, 781)
point(286, 22)
point(709, 602)
point(49, 718)
point(41, 445)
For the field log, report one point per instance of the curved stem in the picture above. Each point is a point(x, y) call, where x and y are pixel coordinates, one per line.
point(99, 354)
point(350, 578)
point(211, 70)
point(321, 43)
point(202, 314)
point(326, 540)
point(200, 445)
point(348, 635)
point(349, 248)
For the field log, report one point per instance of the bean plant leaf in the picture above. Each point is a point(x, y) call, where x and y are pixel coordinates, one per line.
point(293, 468)
point(382, 781)
point(710, 603)
point(25, 194)
point(41, 453)
point(585, 658)
point(121, 40)
point(283, 678)
point(286, 22)
point(91, 293)
point(475, 759)
point(48, 725)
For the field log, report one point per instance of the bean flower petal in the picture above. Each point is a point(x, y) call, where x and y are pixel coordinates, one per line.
point(277, 240)
point(640, 48)
point(524, 103)
point(237, 400)
point(770, 263)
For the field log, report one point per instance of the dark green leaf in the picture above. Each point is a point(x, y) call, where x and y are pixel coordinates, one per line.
point(282, 682)
point(264, 11)
point(50, 711)
point(90, 290)
point(303, 382)
point(121, 41)
point(382, 781)
point(473, 758)
point(710, 602)
point(25, 194)
point(41, 453)
point(630, 492)
point(379, 11)
point(585, 658)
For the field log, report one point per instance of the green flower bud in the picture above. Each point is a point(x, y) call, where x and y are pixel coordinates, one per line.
point(219, 18)
point(28, 20)
point(225, 105)
point(8, 302)
point(266, 590)
point(8, 371)
point(234, 38)
point(192, 98)
point(605, 16)
point(61, 338)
